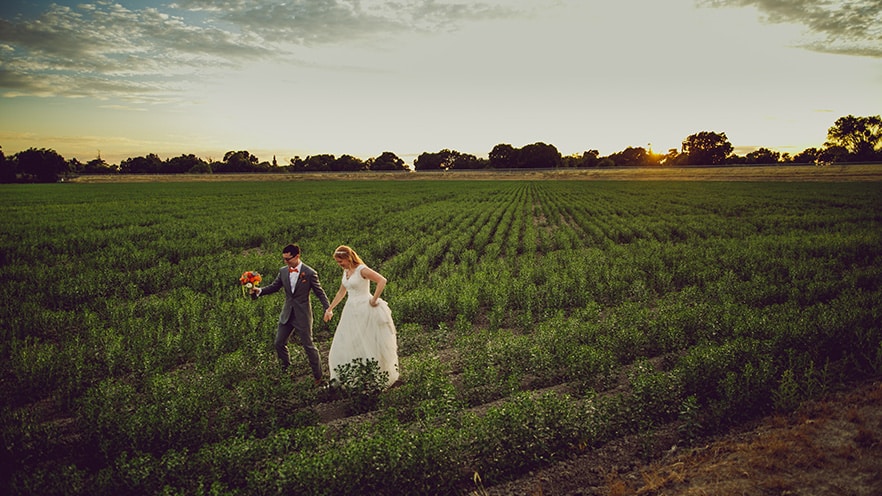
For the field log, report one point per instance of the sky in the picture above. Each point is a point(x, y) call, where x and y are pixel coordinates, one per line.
point(288, 78)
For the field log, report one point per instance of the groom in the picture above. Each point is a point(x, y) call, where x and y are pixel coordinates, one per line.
point(297, 279)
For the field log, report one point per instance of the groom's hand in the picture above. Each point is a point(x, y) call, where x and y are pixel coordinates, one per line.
point(328, 314)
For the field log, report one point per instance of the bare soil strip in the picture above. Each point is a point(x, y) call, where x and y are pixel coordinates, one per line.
point(795, 173)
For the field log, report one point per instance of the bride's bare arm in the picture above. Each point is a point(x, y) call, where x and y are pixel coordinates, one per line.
point(378, 278)
point(337, 298)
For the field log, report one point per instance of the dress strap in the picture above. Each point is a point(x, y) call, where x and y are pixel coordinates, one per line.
point(357, 270)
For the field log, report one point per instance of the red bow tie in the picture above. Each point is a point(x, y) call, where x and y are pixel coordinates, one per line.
point(292, 269)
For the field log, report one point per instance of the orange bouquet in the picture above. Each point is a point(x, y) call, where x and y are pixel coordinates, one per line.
point(249, 280)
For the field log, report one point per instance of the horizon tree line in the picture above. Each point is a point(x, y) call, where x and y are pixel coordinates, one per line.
point(850, 139)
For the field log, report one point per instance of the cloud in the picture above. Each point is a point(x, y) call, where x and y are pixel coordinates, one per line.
point(103, 49)
point(124, 107)
point(23, 82)
point(848, 28)
point(108, 38)
point(333, 21)
point(106, 49)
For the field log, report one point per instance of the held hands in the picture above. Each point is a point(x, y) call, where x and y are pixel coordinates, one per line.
point(328, 314)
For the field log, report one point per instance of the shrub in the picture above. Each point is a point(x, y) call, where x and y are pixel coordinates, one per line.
point(523, 433)
point(428, 395)
point(361, 382)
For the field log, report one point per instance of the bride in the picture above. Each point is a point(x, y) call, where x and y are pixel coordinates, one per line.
point(365, 329)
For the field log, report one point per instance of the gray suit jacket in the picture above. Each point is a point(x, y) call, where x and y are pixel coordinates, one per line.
point(297, 298)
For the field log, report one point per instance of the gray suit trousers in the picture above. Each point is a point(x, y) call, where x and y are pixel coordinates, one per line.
point(283, 335)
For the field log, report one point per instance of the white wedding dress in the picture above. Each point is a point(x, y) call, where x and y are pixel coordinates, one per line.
point(364, 331)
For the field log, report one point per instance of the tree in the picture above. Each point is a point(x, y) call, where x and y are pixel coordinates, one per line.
point(653, 159)
point(347, 163)
point(466, 161)
point(238, 161)
point(589, 158)
point(387, 161)
point(539, 156)
point(706, 148)
point(632, 157)
point(673, 157)
point(832, 154)
point(860, 136)
point(74, 165)
point(186, 164)
point(7, 169)
point(763, 156)
point(434, 161)
point(98, 166)
point(202, 167)
point(151, 164)
point(570, 161)
point(296, 164)
point(318, 163)
point(503, 156)
point(807, 156)
point(42, 165)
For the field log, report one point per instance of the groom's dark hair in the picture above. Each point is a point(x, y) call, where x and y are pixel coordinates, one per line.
point(292, 250)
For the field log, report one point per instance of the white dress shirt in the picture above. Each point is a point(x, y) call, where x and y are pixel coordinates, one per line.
point(292, 276)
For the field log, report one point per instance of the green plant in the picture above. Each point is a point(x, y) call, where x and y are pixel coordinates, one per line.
point(690, 419)
point(524, 432)
point(361, 381)
point(786, 397)
point(656, 394)
point(428, 395)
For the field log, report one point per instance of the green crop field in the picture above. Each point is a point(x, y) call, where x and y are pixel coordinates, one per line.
point(536, 320)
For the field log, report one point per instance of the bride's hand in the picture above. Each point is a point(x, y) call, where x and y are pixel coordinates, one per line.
point(328, 314)
point(374, 302)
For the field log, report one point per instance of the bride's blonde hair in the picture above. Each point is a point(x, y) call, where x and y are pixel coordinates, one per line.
point(344, 252)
